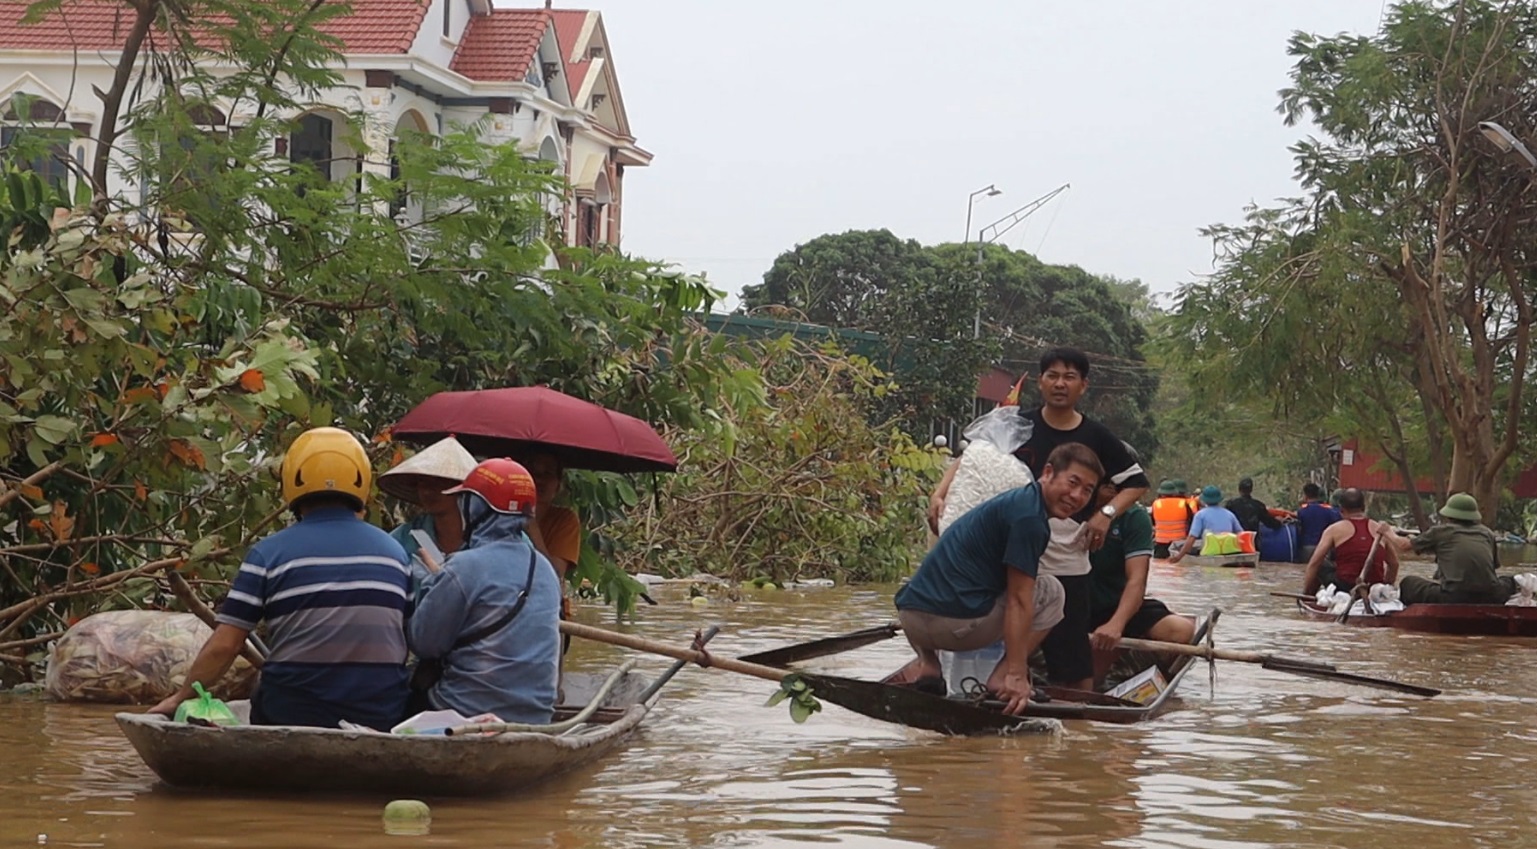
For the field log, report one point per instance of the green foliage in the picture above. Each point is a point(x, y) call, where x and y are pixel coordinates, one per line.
point(871, 280)
point(159, 351)
point(1394, 300)
point(794, 485)
point(137, 433)
point(803, 702)
point(1031, 306)
point(926, 302)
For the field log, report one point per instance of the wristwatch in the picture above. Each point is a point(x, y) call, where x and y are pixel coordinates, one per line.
point(1108, 510)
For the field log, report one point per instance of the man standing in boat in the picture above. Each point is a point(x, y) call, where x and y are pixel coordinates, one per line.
point(1251, 512)
point(1351, 540)
point(1467, 556)
point(1119, 606)
point(1064, 379)
point(982, 581)
point(331, 588)
point(1313, 517)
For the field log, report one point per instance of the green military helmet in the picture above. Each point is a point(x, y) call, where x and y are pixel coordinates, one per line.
point(1167, 488)
point(1180, 487)
point(1463, 507)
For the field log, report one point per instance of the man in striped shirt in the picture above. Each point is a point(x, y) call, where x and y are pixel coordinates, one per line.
point(333, 592)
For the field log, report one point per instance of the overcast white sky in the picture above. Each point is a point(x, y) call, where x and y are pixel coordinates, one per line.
point(775, 122)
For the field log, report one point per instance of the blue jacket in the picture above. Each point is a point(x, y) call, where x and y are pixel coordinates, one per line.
point(1313, 518)
point(512, 673)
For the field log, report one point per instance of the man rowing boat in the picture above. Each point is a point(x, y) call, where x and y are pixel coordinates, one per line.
point(981, 581)
point(1350, 539)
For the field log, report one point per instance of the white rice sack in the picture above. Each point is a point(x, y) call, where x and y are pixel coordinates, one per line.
point(984, 472)
point(1526, 589)
point(1384, 595)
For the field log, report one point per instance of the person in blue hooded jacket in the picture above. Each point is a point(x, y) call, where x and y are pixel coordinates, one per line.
point(491, 615)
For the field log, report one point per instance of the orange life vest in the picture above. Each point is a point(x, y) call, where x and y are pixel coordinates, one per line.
point(1171, 519)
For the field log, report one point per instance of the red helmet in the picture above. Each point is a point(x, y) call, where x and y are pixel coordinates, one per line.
point(505, 486)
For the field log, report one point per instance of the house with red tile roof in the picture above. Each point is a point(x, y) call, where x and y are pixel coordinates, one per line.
point(540, 78)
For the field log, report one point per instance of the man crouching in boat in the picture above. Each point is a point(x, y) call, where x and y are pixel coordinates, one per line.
point(1118, 602)
point(979, 582)
point(331, 588)
point(490, 618)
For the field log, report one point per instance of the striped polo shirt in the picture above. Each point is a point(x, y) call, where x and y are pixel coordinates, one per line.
point(333, 591)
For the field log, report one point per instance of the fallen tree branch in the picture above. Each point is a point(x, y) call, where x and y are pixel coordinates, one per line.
point(30, 480)
point(32, 641)
point(22, 611)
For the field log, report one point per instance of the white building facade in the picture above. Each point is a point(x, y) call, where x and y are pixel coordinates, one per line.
point(539, 77)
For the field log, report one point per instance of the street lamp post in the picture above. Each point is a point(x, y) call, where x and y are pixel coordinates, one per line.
point(991, 191)
point(1000, 227)
point(1507, 142)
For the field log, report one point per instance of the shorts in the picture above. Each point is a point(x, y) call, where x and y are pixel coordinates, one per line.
point(1069, 658)
point(933, 632)
point(1149, 614)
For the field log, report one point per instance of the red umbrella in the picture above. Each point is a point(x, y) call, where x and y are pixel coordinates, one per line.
point(498, 422)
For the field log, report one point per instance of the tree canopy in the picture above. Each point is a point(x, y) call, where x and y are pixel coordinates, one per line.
point(927, 301)
point(1393, 299)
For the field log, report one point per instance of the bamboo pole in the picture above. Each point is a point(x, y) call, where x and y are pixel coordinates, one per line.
point(630, 641)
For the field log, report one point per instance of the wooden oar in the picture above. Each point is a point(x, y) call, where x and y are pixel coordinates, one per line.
point(1362, 586)
point(1280, 664)
point(889, 703)
point(786, 655)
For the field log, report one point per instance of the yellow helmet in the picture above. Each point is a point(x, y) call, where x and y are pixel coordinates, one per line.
point(326, 459)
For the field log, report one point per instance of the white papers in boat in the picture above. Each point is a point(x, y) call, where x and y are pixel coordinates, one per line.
point(438, 721)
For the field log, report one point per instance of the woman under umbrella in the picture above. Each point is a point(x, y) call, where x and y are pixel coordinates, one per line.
point(421, 480)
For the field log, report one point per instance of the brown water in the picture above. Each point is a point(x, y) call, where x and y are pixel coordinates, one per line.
point(1268, 760)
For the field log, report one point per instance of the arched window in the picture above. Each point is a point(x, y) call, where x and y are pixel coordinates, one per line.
point(189, 162)
point(206, 115)
point(310, 142)
point(34, 137)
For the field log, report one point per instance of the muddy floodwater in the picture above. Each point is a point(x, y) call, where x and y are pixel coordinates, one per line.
point(1263, 759)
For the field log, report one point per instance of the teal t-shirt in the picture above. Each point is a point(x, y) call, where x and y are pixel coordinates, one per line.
point(1131, 535)
point(966, 571)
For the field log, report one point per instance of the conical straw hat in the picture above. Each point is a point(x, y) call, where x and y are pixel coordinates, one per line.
point(443, 461)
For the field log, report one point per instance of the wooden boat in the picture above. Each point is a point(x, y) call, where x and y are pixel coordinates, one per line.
point(1491, 620)
point(288, 758)
point(1077, 704)
point(1066, 703)
point(1231, 561)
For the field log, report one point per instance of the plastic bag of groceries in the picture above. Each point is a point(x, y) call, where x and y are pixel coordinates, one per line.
point(134, 657)
point(204, 709)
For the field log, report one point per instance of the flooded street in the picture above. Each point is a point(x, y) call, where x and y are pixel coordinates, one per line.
point(1268, 760)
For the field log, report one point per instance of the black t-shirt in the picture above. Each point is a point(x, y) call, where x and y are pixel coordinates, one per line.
point(1251, 513)
point(1118, 462)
